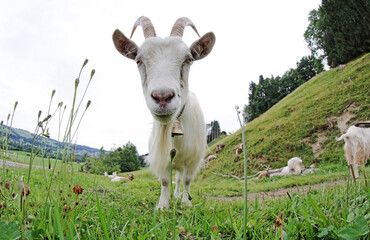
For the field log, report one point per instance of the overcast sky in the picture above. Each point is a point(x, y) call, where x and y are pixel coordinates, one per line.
point(44, 43)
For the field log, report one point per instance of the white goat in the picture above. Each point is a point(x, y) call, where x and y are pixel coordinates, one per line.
point(295, 166)
point(114, 174)
point(357, 145)
point(164, 66)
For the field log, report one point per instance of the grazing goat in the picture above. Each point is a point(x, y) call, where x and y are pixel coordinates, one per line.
point(164, 66)
point(357, 145)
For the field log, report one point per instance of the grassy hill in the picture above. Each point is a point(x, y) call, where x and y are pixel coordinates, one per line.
point(304, 124)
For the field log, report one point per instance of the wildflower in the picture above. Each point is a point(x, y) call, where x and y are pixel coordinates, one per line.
point(7, 185)
point(78, 189)
point(182, 233)
point(279, 220)
point(25, 191)
point(214, 228)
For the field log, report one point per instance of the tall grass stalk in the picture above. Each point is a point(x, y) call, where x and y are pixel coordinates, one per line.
point(5, 142)
point(245, 174)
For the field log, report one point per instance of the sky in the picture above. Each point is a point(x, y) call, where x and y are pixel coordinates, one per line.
point(44, 43)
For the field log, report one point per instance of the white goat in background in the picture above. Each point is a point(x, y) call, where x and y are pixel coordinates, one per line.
point(294, 166)
point(357, 145)
point(114, 174)
point(164, 66)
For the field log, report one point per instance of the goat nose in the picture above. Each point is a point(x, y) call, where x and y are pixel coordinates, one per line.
point(163, 98)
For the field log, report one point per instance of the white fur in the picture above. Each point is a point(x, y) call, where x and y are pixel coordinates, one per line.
point(164, 66)
point(114, 174)
point(357, 146)
point(190, 149)
point(295, 166)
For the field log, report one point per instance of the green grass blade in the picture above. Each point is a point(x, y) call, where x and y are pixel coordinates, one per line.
point(102, 219)
point(318, 211)
point(58, 223)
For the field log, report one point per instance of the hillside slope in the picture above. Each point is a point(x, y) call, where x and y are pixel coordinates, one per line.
point(22, 140)
point(303, 124)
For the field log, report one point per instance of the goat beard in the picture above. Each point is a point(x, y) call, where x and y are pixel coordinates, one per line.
point(160, 146)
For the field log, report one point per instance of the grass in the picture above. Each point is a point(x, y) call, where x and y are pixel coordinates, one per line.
point(126, 210)
point(25, 157)
point(291, 126)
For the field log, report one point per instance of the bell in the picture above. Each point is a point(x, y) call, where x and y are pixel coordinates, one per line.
point(176, 129)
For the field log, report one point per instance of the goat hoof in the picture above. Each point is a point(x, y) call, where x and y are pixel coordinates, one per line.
point(186, 202)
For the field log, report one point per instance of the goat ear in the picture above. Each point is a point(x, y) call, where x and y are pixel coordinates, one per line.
point(124, 45)
point(202, 47)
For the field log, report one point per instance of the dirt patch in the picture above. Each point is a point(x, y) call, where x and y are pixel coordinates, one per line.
point(347, 114)
point(341, 121)
point(282, 192)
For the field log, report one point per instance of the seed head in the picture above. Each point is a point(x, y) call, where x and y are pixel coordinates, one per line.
point(78, 189)
point(15, 105)
point(92, 73)
point(85, 62)
point(173, 153)
point(46, 118)
point(77, 81)
point(7, 185)
point(88, 104)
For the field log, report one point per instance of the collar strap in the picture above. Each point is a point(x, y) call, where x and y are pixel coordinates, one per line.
point(182, 110)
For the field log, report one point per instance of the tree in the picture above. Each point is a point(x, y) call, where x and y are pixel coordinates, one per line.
point(213, 131)
point(127, 158)
point(269, 91)
point(339, 30)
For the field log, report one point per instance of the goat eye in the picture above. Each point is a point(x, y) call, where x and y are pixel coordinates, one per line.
point(189, 60)
point(139, 62)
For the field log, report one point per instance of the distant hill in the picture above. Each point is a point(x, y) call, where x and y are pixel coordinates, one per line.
point(304, 124)
point(22, 140)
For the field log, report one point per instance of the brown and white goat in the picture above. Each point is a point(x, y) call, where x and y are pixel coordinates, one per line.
point(164, 66)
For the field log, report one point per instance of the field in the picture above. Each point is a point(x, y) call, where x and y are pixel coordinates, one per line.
point(126, 210)
point(63, 203)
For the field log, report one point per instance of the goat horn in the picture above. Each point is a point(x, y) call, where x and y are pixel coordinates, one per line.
point(179, 26)
point(147, 26)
